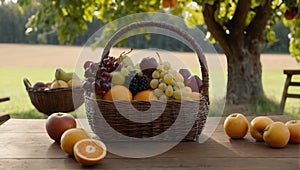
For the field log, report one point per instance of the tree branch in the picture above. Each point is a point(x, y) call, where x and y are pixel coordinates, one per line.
point(237, 23)
point(215, 29)
point(256, 28)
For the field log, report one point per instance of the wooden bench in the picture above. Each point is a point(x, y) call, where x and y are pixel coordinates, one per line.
point(289, 82)
point(4, 116)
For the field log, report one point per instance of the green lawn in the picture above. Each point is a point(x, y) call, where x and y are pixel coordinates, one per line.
point(20, 106)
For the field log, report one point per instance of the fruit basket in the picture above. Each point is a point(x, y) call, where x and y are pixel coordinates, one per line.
point(49, 101)
point(155, 120)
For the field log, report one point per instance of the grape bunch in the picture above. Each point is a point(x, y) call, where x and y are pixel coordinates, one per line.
point(168, 83)
point(97, 75)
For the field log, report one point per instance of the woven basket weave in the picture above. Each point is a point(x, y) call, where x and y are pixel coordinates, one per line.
point(171, 119)
point(55, 100)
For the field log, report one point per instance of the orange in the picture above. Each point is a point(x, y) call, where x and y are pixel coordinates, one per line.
point(118, 92)
point(89, 151)
point(145, 95)
point(70, 137)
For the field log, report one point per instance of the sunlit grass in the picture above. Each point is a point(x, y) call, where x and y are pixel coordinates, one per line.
point(20, 105)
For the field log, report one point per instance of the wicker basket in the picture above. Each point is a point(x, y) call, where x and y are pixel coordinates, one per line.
point(176, 118)
point(55, 100)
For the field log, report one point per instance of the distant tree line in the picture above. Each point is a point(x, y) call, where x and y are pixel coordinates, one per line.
point(12, 30)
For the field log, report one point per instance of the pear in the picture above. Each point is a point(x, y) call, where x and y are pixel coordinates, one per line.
point(60, 74)
point(74, 82)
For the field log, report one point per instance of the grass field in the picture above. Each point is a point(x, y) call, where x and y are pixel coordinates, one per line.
point(20, 106)
point(38, 63)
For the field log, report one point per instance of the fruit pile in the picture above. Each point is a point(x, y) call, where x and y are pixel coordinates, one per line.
point(62, 80)
point(275, 134)
point(149, 80)
point(74, 141)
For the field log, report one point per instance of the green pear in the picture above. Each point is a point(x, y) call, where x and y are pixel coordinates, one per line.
point(60, 74)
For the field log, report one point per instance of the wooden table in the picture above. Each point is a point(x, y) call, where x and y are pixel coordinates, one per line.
point(24, 144)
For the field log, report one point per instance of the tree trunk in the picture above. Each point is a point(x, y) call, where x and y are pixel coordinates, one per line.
point(244, 85)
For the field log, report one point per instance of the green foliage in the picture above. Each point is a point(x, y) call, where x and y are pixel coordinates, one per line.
point(69, 18)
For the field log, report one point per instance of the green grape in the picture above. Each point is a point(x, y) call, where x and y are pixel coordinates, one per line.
point(169, 91)
point(166, 65)
point(168, 78)
point(180, 85)
point(160, 68)
point(176, 88)
point(124, 71)
point(154, 83)
point(178, 77)
point(177, 94)
point(155, 74)
point(162, 86)
point(161, 80)
point(158, 92)
point(163, 97)
point(163, 73)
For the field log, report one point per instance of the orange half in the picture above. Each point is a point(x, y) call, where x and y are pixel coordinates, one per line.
point(89, 151)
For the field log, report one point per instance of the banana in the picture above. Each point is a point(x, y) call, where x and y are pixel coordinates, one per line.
point(60, 74)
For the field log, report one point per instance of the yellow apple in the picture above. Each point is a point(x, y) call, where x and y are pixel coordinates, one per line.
point(276, 135)
point(294, 127)
point(58, 84)
point(236, 126)
point(258, 125)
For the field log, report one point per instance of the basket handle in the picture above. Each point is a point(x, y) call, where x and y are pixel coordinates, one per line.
point(26, 83)
point(184, 34)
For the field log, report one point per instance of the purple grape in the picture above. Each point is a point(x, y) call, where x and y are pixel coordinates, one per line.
point(94, 67)
point(105, 86)
point(87, 64)
point(105, 61)
point(106, 75)
point(88, 73)
point(86, 85)
point(103, 69)
point(117, 65)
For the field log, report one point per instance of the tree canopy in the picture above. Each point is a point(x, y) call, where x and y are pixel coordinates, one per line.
point(68, 18)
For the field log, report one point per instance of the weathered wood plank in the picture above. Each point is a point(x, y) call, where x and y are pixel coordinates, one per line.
point(157, 163)
point(27, 146)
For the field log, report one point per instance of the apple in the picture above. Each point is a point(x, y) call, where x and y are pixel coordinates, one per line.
point(236, 125)
point(290, 13)
point(294, 128)
point(258, 125)
point(58, 123)
point(276, 135)
point(58, 84)
point(195, 83)
point(169, 3)
point(39, 85)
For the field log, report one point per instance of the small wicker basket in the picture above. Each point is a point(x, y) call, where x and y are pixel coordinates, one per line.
point(55, 100)
point(115, 121)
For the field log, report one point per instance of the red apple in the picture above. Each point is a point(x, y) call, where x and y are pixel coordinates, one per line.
point(58, 123)
point(258, 125)
point(276, 135)
point(39, 85)
point(294, 128)
point(290, 13)
point(236, 126)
